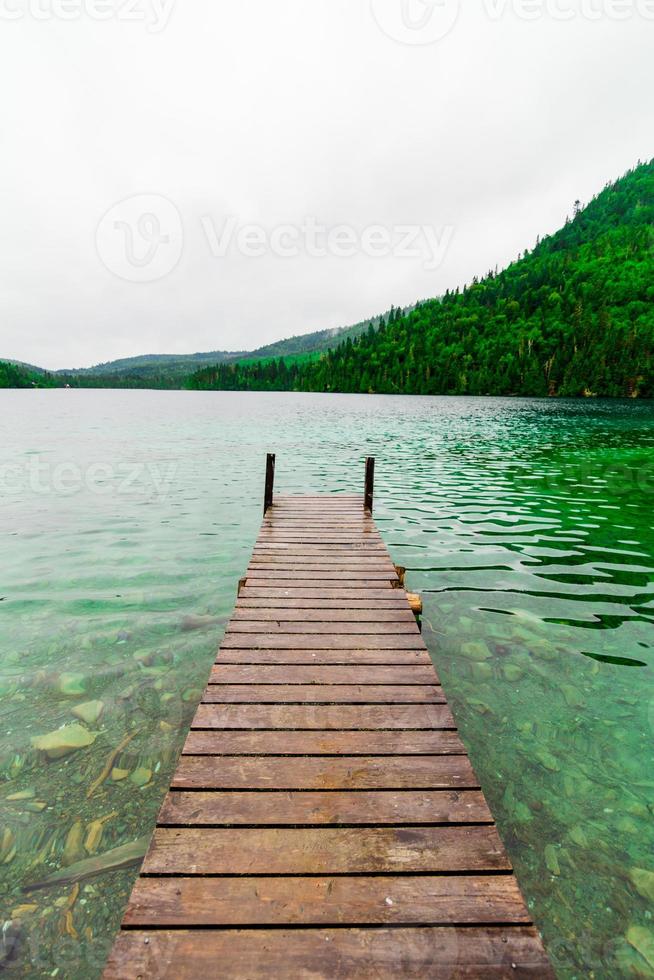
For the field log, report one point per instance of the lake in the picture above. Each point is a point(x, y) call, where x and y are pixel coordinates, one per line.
point(128, 518)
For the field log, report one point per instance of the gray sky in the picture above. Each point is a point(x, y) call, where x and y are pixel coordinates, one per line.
point(174, 174)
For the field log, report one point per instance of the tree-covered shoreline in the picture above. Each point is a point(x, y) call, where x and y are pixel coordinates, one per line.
point(573, 317)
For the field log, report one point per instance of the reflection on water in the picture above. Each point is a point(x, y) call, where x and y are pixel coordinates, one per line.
point(127, 519)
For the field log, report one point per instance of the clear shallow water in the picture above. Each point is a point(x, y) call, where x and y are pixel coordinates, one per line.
point(126, 517)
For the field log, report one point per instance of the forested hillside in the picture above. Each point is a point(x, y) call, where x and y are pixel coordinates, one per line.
point(575, 316)
point(20, 376)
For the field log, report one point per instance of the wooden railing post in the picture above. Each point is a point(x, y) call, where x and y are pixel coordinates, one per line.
point(270, 482)
point(369, 487)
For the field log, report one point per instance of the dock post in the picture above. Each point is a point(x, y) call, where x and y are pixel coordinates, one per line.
point(270, 482)
point(369, 484)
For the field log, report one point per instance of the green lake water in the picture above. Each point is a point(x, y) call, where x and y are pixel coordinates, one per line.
point(126, 521)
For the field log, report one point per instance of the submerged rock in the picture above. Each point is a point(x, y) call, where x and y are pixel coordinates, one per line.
point(89, 711)
point(643, 882)
point(475, 651)
point(522, 812)
point(9, 936)
point(481, 671)
point(72, 684)
point(24, 794)
point(63, 741)
point(192, 694)
point(141, 776)
point(578, 836)
point(642, 941)
point(547, 760)
point(73, 849)
point(552, 859)
point(573, 697)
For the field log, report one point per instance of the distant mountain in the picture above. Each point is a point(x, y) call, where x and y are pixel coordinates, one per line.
point(572, 317)
point(321, 340)
point(144, 371)
point(155, 361)
point(173, 370)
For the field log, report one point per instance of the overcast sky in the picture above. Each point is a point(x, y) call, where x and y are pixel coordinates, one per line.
point(186, 175)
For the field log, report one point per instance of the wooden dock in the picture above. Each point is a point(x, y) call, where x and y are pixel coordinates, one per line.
point(324, 819)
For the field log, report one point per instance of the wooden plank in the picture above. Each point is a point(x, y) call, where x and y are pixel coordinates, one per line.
point(372, 543)
point(324, 772)
point(327, 555)
point(350, 807)
point(434, 900)
point(319, 627)
point(247, 613)
point(334, 657)
point(360, 717)
point(333, 522)
point(323, 563)
point(313, 641)
point(394, 603)
point(324, 743)
point(317, 552)
point(321, 572)
point(323, 584)
point(436, 953)
point(321, 674)
point(321, 694)
point(327, 850)
point(291, 575)
point(355, 539)
point(252, 592)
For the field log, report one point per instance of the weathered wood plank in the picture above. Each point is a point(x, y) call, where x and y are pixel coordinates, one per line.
point(246, 613)
point(321, 694)
point(321, 674)
point(277, 582)
point(350, 807)
point(357, 564)
point(332, 628)
point(324, 743)
point(329, 538)
point(334, 657)
point(339, 519)
point(389, 717)
point(296, 593)
point(327, 850)
point(424, 900)
point(323, 574)
point(391, 604)
point(373, 543)
point(324, 772)
point(437, 953)
point(313, 641)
